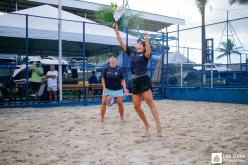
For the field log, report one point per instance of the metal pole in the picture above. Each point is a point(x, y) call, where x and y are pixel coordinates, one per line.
point(227, 23)
point(123, 17)
point(240, 62)
point(16, 5)
point(246, 61)
point(167, 56)
point(211, 75)
point(178, 37)
point(60, 50)
point(204, 77)
point(27, 94)
point(84, 56)
point(181, 75)
point(123, 58)
point(187, 54)
point(162, 67)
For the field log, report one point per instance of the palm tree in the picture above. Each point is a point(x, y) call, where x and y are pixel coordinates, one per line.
point(105, 16)
point(241, 2)
point(201, 4)
point(228, 48)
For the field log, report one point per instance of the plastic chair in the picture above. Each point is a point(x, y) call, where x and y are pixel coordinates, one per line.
point(38, 95)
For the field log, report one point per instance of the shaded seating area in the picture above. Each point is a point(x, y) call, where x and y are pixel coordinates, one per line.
point(79, 91)
point(81, 38)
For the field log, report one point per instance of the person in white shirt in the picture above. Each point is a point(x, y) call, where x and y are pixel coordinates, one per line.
point(52, 83)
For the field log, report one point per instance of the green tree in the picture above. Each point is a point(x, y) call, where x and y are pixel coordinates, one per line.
point(105, 15)
point(241, 2)
point(228, 48)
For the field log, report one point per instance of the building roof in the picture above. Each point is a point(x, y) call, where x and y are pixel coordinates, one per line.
point(152, 22)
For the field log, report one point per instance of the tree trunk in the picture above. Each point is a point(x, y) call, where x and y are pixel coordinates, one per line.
point(203, 31)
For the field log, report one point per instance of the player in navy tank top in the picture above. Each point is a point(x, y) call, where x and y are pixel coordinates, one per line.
point(139, 58)
point(113, 83)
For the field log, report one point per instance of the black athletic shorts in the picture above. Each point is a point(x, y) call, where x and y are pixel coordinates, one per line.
point(35, 86)
point(141, 84)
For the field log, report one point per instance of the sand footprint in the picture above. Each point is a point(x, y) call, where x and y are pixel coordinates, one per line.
point(21, 160)
point(139, 141)
point(106, 133)
point(3, 130)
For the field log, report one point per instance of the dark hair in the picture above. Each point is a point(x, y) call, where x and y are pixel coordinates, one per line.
point(112, 55)
point(140, 41)
point(93, 72)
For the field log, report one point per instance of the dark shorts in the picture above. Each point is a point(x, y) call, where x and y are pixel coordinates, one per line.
point(141, 84)
point(35, 86)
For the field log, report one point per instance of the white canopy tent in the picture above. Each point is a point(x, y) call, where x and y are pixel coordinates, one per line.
point(40, 26)
point(43, 25)
point(175, 58)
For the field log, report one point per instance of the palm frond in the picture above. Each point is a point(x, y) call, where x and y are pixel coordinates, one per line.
point(242, 2)
point(105, 16)
point(221, 49)
point(236, 52)
point(221, 56)
point(201, 4)
point(228, 48)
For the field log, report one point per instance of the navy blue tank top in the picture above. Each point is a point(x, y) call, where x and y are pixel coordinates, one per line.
point(138, 61)
point(113, 77)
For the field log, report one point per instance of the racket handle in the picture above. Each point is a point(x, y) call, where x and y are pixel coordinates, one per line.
point(114, 25)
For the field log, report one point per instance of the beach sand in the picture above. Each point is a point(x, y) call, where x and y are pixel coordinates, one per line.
point(74, 135)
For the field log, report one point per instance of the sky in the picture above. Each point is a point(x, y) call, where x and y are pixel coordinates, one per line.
point(186, 9)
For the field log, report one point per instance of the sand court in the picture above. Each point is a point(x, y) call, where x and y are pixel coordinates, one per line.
point(74, 135)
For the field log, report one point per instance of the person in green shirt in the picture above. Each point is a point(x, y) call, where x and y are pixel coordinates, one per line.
point(36, 76)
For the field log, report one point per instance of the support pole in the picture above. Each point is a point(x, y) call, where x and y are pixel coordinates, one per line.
point(84, 58)
point(227, 37)
point(211, 75)
point(167, 56)
point(178, 37)
point(162, 67)
point(26, 44)
point(181, 74)
point(60, 50)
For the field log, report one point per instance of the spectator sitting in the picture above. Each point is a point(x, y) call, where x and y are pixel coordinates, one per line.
point(93, 78)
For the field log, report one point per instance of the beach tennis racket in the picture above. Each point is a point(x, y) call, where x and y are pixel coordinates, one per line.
point(110, 100)
point(118, 12)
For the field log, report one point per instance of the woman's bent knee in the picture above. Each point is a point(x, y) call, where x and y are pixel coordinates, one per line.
point(137, 107)
point(104, 103)
point(120, 103)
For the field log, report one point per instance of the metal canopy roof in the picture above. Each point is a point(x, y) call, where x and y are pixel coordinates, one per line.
point(152, 22)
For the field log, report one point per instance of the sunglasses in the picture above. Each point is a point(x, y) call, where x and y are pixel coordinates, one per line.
point(140, 41)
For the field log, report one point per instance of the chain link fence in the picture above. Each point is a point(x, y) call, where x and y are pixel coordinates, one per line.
point(226, 56)
point(176, 59)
